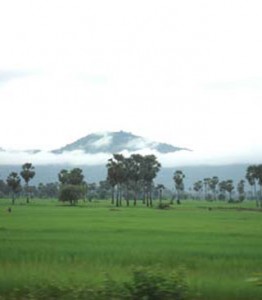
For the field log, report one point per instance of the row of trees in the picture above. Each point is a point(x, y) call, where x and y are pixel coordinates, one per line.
point(130, 178)
point(72, 186)
point(133, 176)
point(42, 191)
point(214, 189)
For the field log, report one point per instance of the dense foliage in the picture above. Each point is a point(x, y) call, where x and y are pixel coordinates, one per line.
point(72, 187)
point(131, 176)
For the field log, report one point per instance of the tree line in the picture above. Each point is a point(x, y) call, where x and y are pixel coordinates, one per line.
point(14, 181)
point(131, 179)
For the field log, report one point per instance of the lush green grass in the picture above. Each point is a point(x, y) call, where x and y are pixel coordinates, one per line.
point(219, 249)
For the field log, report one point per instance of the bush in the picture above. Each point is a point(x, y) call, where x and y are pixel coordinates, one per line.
point(145, 284)
point(242, 198)
point(221, 197)
point(154, 284)
point(163, 206)
point(71, 193)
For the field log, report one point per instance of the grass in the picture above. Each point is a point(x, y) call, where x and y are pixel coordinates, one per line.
point(219, 249)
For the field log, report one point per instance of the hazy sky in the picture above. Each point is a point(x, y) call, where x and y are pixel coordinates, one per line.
point(184, 72)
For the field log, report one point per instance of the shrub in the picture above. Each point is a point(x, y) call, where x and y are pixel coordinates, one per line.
point(154, 284)
point(145, 284)
point(241, 198)
point(70, 193)
point(163, 206)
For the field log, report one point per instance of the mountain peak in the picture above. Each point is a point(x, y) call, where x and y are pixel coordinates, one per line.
point(114, 142)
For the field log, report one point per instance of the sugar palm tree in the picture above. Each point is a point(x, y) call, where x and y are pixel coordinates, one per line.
point(229, 188)
point(198, 186)
point(149, 169)
point(179, 183)
point(116, 175)
point(206, 186)
point(160, 187)
point(135, 173)
point(241, 189)
point(27, 173)
point(13, 181)
point(212, 183)
point(251, 176)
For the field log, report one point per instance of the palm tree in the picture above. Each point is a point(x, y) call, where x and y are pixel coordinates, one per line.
point(160, 188)
point(149, 169)
point(241, 189)
point(198, 186)
point(222, 189)
point(251, 176)
point(206, 185)
point(63, 176)
point(212, 183)
point(111, 177)
point(259, 179)
point(136, 173)
point(229, 188)
point(127, 177)
point(13, 181)
point(116, 175)
point(27, 173)
point(179, 184)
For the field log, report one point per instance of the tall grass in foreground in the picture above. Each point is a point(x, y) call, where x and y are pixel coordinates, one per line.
point(47, 244)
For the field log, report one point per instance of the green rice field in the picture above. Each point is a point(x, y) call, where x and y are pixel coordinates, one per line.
point(217, 246)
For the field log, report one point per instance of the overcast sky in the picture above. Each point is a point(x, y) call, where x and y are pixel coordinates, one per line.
point(184, 72)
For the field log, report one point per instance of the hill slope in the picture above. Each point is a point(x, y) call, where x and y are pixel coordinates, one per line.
point(113, 142)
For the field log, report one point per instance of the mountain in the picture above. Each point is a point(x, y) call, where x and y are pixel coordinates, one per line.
point(114, 142)
point(48, 165)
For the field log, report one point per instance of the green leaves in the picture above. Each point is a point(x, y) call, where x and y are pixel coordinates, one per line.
point(72, 186)
point(13, 180)
point(28, 172)
point(178, 178)
point(71, 193)
point(74, 177)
